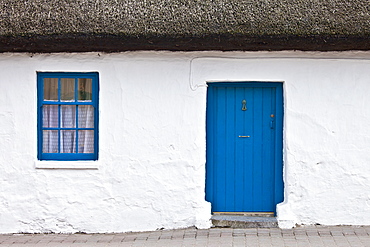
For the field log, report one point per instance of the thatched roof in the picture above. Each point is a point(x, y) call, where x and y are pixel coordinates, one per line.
point(120, 25)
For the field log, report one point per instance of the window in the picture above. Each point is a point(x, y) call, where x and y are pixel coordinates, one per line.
point(67, 106)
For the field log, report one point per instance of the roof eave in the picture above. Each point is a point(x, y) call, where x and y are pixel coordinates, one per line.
point(221, 42)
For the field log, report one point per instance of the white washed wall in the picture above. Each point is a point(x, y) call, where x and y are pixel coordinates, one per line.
point(151, 168)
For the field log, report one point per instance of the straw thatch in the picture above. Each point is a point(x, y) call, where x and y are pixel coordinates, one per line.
point(120, 25)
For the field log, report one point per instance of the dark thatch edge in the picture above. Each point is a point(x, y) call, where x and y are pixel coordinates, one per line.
point(226, 42)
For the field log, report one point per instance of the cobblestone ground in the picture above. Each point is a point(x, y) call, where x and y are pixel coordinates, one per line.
point(314, 236)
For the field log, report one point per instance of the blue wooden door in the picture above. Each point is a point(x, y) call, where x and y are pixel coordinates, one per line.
point(244, 147)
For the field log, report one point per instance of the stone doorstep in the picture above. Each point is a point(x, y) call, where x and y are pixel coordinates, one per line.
point(252, 214)
point(240, 221)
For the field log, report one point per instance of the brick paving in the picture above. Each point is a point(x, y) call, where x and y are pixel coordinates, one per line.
point(314, 236)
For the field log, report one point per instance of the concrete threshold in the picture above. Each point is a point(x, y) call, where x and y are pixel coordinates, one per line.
point(240, 221)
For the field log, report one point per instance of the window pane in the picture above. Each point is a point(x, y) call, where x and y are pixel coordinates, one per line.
point(68, 116)
point(68, 141)
point(51, 89)
point(67, 89)
point(85, 116)
point(50, 116)
point(86, 141)
point(50, 141)
point(84, 89)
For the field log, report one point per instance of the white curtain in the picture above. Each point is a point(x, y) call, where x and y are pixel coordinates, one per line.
point(68, 117)
point(85, 137)
point(68, 137)
point(50, 137)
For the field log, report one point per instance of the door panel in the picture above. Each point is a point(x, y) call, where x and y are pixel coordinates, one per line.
point(244, 147)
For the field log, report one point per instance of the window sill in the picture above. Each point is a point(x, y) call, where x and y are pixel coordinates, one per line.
point(81, 165)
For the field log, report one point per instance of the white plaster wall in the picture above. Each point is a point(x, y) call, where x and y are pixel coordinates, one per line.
point(151, 168)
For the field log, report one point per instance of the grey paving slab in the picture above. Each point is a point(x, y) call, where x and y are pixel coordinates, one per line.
point(311, 236)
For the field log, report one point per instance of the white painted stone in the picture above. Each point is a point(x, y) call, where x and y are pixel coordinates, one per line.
point(285, 216)
point(151, 168)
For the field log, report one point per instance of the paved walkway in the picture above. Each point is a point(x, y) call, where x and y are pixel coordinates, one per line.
point(300, 236)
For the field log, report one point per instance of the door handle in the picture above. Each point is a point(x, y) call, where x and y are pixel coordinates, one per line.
point(244, 136)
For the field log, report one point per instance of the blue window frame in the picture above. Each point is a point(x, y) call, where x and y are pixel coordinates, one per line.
point(67, 108)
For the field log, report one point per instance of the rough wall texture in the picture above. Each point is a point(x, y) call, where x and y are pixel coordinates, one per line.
point(147, 176)
point(151, 168)
point(183, 25)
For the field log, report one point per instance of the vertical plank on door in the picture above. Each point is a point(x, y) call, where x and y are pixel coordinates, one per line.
point(231, 162)
point(240, 143)
point(248, 151)
point(267, 150)
point(278, 157)
point(220, 157)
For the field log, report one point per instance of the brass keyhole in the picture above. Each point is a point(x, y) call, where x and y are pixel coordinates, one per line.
point(244, 105)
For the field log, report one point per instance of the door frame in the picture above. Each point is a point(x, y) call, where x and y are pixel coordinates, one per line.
point(279, 145)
